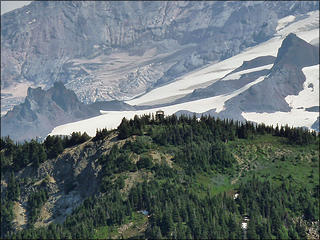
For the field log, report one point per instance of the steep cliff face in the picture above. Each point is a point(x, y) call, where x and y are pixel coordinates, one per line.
point(117, 50)
point(43, 110)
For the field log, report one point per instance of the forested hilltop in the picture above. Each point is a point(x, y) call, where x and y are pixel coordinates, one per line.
point(164, 177)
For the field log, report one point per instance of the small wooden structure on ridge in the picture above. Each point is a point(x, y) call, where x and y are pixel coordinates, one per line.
point(159, 115)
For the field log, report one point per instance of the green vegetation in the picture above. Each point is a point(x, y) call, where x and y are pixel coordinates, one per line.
point(36, 201)
point(12, 194)
point(131, 228)
point(15, 156)
point(193, 169)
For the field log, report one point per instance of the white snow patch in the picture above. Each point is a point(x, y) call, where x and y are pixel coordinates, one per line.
point(7, 6)
point(112, 119)
point(315, 41)
point(237, 75)
point(308, 36)
point(307, 28)
point(244, 225)
point(309, 96)
point(283, 22)
point(32, 21)
point(294, 118)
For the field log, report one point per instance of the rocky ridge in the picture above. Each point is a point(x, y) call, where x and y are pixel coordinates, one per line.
point(43, 110)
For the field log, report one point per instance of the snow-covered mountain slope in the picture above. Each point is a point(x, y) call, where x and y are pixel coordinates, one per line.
point(305, 27)
point(237, 75)
point(104, 50)
point(309, 96)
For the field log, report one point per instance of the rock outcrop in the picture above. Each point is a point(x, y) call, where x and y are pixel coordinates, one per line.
point(43, 110)
point(285, 78)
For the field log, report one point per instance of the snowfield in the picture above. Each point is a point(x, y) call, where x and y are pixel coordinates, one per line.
point(209, 74)
point(283, 22)
point(237, 75)
point(307, 29)
point(295, 118)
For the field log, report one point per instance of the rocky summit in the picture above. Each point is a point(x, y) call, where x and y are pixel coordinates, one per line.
point(42, 110)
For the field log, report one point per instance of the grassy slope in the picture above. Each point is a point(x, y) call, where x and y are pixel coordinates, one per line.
point(132, 227)
point(272, 158)
point(266, 156)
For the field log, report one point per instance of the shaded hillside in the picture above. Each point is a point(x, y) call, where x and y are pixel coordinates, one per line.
point(156, 178)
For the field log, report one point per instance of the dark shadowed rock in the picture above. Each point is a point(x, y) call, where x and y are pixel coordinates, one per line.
point(113, 105)
point(224, 87)
point(313, 109)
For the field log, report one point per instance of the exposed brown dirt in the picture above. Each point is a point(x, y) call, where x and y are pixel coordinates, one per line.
point(20, 218)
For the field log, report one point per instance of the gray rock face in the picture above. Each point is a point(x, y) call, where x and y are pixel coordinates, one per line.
point(295, 51)
point(115, 50)
point(43, 110)
point(285, 78)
